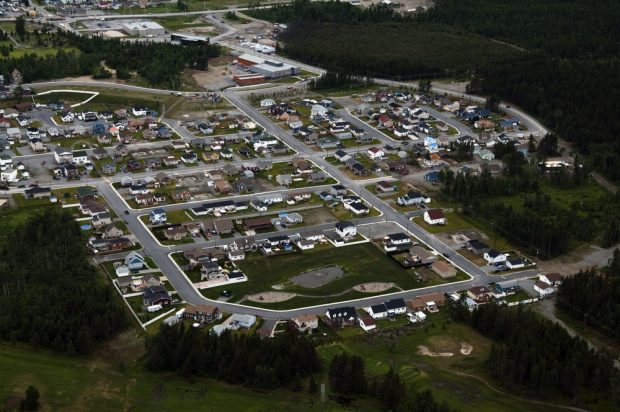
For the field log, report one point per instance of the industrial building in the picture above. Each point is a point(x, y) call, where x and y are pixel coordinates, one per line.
point(144, 29)
point(187, 39)
point(271, 69)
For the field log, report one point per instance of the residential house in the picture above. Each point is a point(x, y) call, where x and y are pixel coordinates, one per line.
point(135, 261)
point(236, 255)
point(493, 256)
point(375, 153)
point(343, 316)
point(156, 295)
point(367, 323)
point(62, 155)
point(421, 256)
point(101, 219)
point(175, 233)
point(346, 229)
point(395, 306)
point(396, 241)
point(477, 247)
point(157, 216)
point(306, 322)
point(515, 263)
point(480, 293)
point(544, 289)
point(434, 217)
point(412, 198)
point(111, 231)
point(202, 313)
point(553, 279)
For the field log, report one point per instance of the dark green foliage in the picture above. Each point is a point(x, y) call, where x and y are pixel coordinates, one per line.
point(539, 355)
point(592, 296)
point(31, 402)
point(20, 26)
point(237, 359)
point(347, 374)
point(50, 294)
point(335, 80)
point(461, 151)
point(312, 386)
point(160, 64)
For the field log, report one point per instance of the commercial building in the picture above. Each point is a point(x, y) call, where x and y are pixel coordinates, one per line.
point(144, 29)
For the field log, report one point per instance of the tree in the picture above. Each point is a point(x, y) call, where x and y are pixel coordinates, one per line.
point(492, 103)
point(296, 385)
point(20, 27)
point(424, 86)
point(31, 402)
point(312, 386)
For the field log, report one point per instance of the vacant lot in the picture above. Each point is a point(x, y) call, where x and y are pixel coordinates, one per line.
point(361, 263)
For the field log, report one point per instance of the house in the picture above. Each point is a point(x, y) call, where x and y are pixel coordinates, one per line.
point(412, 198)
point(267, 103)
point(36, 145)
point(395, 306)
point(237, 321)
point(157, 216)
point(306, 322)
point(235, 255)
point(202, 313)
point(284, 179)
point(37, 192)
point(543, 288)
point(149, 280)
point(180, 195)
point(375, 153)
point(396, 241)
point(516, 263)
point(257, 223)
point(62, 155)
point(507, 288)
point(367, 323)
point(377, 311)
point(477, 247)
point(343, 316)
point(175, 233)
point(243, 185)
point(480, 293)
point(385, 187)
point(111, 231)
point(80, 157)
point(318, 111)
point(486, 154)
point(421, 256)
point(433, 177)
point(553, 279)
point(134, 261)
point(341, 156)
point(101, 219)
point(443, 269)
point(434, 217)
point(156, 295)
point(493, 257)
point(346, 229)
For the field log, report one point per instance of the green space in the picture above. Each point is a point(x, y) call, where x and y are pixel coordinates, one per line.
point(361, 263)
point(454, 222)
point(179, 22)
point(344, 214)
point(113, 380)
point(12, 217)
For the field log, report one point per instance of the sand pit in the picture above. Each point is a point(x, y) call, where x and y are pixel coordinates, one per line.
point(466, 349)
point(271, 297)
point(374, 287)
point(424, 351)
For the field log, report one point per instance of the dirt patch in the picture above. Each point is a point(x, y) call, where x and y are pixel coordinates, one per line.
point(583, 257)
point(374, 287)
point(425, 351)
point(466, 349)
point(315, 278)
point(271, 297)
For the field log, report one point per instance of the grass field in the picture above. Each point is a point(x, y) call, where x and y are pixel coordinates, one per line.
point(453, 222)
point(362, 263)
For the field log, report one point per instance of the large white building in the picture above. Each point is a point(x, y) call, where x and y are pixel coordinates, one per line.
point(144, 29)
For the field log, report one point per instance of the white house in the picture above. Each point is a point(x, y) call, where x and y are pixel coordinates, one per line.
point(486, 154)
point(396, 306)
point(234, 255)
point(5, 161)
point(305, 322)
point(375, 153)
point(237, 321)
point(9, 175)
point(157, 216)
point(377, 311)
point(346, 229)
point(412, 198)
point(139, 111)
point(553, 279)
point(267, 103)
point(318, 110)
point(493, 256)
point(80, 157)
point(543, 289)
point(516, 263)
point(434, 217)
point(134, 261)
point(62, 155)
point(367, 323)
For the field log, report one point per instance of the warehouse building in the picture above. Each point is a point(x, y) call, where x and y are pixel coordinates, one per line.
point(274, 70)
point(144, 29)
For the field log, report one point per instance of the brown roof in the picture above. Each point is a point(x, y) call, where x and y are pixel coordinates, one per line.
point(257, 222)
point(192, 310)
point(223, 225)
point(543, 285)
point(435, 214)
point(368, 321)
point(479, 290)
point(553, 277)
point(306, 318)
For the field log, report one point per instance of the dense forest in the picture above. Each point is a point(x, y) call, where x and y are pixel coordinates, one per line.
point(538, 355)
point(593, 296)
point(50, 294)
point(236, 359)
point(558, 59)
point(160, 64)
point(347, 376)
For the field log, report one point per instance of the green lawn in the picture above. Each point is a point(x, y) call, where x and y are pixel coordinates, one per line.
point(12, 217)
point(361, 263)
point(453, 222)
point(97, 383)
point(179, 22)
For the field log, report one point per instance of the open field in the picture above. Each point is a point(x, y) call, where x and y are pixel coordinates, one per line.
point(361, 263)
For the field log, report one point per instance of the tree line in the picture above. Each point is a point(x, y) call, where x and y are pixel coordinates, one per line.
point(338, 79)
point(50, 295)
point(347, 376)
point(535, 354)
point(236, 359)
point(591, 296)
point(160, 64)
